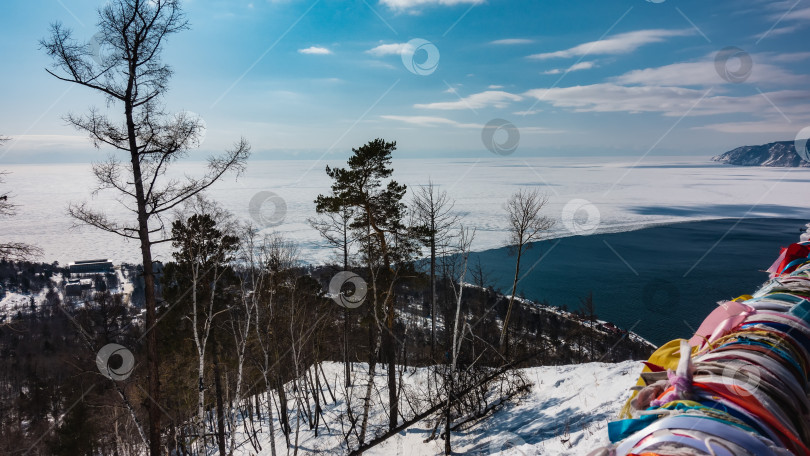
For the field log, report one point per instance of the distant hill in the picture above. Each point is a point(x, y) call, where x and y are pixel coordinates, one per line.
point(775, 154)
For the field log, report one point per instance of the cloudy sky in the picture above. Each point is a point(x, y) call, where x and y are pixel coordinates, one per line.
point(302, 78)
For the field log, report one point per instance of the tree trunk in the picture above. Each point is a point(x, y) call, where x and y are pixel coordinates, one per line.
point(391, 354)
point(220, 406)
point(347, 374)
point(433, 295)
point(152, 360)
point(505, 330)
point(272, 430)
point(282, 405)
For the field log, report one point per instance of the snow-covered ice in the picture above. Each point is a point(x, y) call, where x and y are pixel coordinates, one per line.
point(623, 192)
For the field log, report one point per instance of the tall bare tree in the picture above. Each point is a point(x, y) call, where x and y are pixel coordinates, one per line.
point(465, 239)
point(526, 225)
point(132, 77)
point(432, 209)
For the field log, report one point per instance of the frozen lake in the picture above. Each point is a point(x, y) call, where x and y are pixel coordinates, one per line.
point(586, 195)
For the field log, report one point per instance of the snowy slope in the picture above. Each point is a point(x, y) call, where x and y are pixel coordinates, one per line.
point(565, 413)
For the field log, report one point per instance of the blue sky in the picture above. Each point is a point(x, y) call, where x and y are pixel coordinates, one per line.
point(304, 78)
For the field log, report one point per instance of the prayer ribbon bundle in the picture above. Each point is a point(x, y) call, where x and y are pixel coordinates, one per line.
point(738, 387)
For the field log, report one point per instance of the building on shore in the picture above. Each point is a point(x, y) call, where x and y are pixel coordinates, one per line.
point(91, 267)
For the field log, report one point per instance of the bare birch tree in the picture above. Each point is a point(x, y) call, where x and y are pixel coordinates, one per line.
point(132, 77)
point(432, 209)
point(526, 225)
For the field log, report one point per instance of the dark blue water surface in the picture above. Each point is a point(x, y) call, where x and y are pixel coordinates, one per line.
point(660, 281)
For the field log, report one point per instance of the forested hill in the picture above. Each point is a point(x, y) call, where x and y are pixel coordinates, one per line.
point(49, 343)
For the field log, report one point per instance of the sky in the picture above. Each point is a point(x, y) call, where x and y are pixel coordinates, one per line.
point(444, 78)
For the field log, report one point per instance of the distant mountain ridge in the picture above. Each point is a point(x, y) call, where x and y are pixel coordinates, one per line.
point(775, 154)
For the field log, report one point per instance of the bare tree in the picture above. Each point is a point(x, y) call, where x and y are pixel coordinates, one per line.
point(526, 225)
point(13, 250)
point(334, 226)
point(465, 238)
point(432, 209)
point(133, 77)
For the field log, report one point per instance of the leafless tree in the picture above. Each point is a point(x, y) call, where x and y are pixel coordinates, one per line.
point(465, 239)
point(133, 78)
point(432, 209)
point(335, 228)
point(526, 225)
point(13, 250)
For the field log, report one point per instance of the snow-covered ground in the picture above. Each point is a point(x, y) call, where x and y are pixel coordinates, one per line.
point(623, 194)
point(565, 413)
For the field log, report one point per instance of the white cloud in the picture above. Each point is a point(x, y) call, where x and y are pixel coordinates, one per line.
point(430, 121)
point(495, 87)
point(315, 50)
point(777, 125)
point(512, 41)
point(575, 67)
point(494, 98)
point(777, 31)
point(37, 142)
point(387, 49)
point(801, 14)
point(669, 101)
point(411, 4)
point(617, 44)
point(527, 113)
point(788, 57)
point(703, 73)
